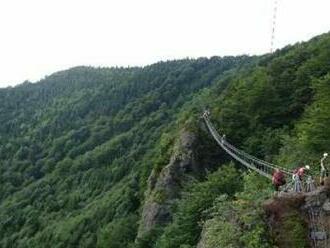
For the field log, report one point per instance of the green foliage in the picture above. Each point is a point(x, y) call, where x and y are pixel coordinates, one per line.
point(293, 232)
point(149, 239)
point(311, 134)
point(119, 233)
point(220, 233)
point(77, 148)
point(313, 131)
point(185, 229)
point(239, 221)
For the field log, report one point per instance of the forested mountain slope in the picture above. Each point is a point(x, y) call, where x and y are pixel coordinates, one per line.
point(84, 152)
point(77, 147)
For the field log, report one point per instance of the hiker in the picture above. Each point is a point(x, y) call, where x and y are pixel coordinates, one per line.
point(301, 171)
point(324, 171)
point(298, 175)
point(278, 179)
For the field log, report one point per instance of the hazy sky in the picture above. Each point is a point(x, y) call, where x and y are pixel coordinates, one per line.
point(39, 37)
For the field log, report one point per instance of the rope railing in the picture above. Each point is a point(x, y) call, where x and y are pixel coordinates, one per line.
point(262, 167)
point(273, 166)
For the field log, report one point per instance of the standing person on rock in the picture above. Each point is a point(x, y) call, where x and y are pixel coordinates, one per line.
point(278, 179)
point(301, 171)
point(298, 175)
point(324, 171)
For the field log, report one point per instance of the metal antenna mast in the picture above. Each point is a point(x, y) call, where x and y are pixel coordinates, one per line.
point(273, 26)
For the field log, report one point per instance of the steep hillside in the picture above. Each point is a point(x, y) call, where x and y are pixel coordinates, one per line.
point(98, 157)
point(77, 148)
point(276, 111)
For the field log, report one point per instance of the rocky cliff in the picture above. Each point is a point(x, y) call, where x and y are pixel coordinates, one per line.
point(165, 187)
point(300, 219)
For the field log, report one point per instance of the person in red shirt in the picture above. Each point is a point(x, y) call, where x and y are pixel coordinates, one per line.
point(278, 179)
point(301, 171)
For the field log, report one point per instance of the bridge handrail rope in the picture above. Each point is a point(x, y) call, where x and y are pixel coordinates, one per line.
point(254, 158)
point(262, 167)
point(256, 164)
point(273, 166)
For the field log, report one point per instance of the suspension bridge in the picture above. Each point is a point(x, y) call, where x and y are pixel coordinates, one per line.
point(318, 233)
point(262, 167)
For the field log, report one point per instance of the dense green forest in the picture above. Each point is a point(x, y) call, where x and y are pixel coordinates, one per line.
point(82, 150)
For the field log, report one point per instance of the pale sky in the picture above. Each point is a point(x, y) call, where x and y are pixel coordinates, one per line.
point(39, 37)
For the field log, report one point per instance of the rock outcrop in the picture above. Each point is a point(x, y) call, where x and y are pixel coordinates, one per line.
point(165, 188)
point(300, 218)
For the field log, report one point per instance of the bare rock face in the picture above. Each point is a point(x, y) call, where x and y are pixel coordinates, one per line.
point(165, 188)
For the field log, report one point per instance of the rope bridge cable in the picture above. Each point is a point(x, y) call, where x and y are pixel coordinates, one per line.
point(259, 161)
point(262, 167)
